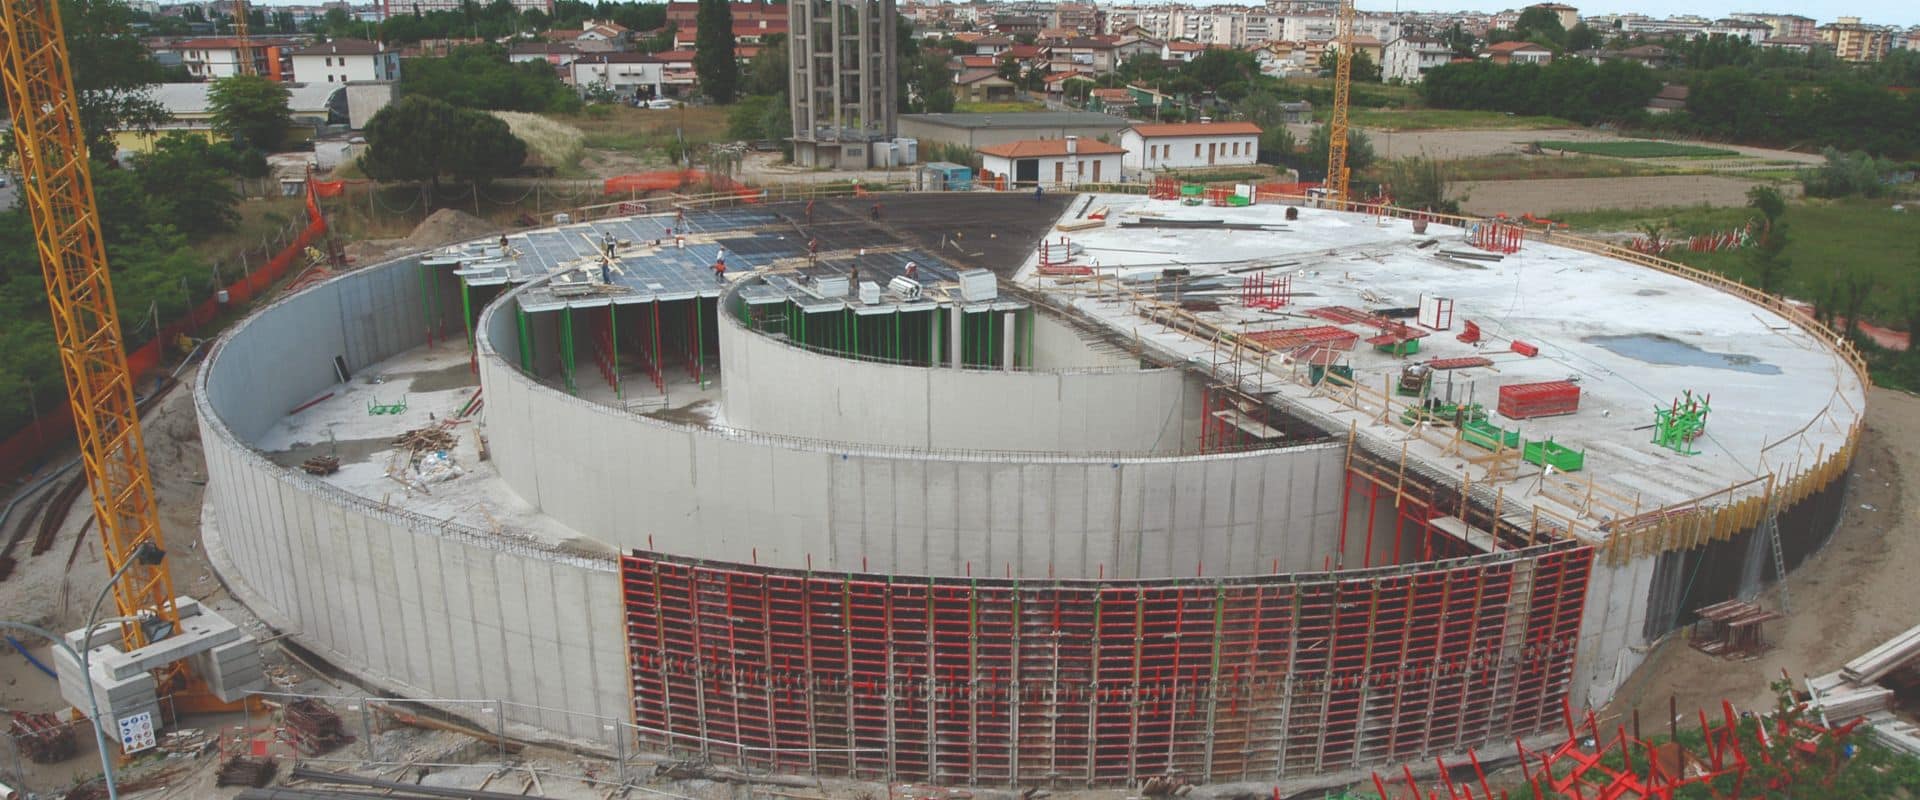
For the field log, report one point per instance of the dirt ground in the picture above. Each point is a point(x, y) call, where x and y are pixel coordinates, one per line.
point(1463, 144)
point(1561, 195)
point(1855, 593)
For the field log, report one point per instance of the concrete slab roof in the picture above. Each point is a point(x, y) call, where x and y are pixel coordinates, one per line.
point(1632, 338)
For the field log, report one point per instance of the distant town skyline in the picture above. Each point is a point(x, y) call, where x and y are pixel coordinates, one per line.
point(1874, 12)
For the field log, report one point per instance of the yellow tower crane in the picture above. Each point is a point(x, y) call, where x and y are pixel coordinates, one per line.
point(245, 67)
point(56, 186)
point(1337, 172)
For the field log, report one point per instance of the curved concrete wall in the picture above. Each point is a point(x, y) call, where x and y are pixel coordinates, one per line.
point(794, 391)
point(411, 604)
point(638, 482)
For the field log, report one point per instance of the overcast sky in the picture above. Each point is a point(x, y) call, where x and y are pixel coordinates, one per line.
point(1876, 12)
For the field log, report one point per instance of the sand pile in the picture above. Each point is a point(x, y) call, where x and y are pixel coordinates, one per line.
point(443, 227)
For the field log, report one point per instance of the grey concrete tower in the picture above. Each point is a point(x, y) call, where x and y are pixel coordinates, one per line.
point(844, 80)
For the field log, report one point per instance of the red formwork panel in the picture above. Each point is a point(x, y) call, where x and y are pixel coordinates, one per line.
point(1544, 399)
point(955, 680)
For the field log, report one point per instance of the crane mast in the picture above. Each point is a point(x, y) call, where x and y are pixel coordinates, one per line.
point(1337, 172)
point(56, 186)
point(245, 67)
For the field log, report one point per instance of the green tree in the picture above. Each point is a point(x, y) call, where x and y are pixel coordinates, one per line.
point(480, 76)
point(713, 50)
point(423, 139)
point(767, 72)
point(111, 73)
point(1580, 37)
point(251, 110)
point(183, 173)
point(1540, 22)
point(1419, 182)
point(1313, 161)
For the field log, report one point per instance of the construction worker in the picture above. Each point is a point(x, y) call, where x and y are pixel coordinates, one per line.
point(876, 212)
point(720, 267)
point(503, 244)
point(1037, 189)
point(606, 243)
point(809, 213)
point(913, 270)
point(813, 250)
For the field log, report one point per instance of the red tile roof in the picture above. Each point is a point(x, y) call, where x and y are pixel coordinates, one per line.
point(1510, 47)
point(1186, 47)
point(1033, 148)
point(1197, 129)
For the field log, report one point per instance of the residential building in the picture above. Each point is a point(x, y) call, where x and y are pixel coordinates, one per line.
point(1111, 101)
point(638, 75)
point(558, 54)
point(1853, 41)
point(1085, 54)
point(1795, 44)
point(1517, 53)
point(1060, 162)
point(1568, 15)
point(1783, 26)
point(1908, 39)
point(1650, 55)
point(1750, 31)
point(983, 85)
point(977, 131)
point(842, 81)
point(1193, 144)
point(343, 60)
point(210, 57)
point(1181, 51)
point(1362, 45)
point(684, 14)
point(392, 8)
point(991, 45)
point(1408, 59)
point(1671, 97)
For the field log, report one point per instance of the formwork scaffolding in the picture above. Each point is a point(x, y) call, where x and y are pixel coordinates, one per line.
point(1085, 683)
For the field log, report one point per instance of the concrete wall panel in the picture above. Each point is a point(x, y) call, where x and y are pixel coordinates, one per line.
point(1081, 401)
point(408, 603)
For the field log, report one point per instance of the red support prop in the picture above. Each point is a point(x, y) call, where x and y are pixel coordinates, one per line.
point(1261, 291)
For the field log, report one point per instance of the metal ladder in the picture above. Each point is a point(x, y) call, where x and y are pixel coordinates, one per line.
point(1772, 525)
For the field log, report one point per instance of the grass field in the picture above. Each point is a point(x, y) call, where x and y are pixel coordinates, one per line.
point(1449, 119)
point(1513, 168)
point(1638, 148)
point(1825, 239)
point(550, 142)
point(638, 130)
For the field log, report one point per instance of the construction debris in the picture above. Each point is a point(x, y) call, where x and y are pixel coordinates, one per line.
point(321, 465)
point(246, 771)
point(391, 788)
point(428, 723)
point(314, 728)
point(186, 742)
point(42, 737)
point(430, 439)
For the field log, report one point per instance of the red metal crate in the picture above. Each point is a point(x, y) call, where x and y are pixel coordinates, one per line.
point(1545, 399)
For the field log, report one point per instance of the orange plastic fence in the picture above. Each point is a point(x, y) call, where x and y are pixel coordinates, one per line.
point(675, 180)
point(25, 448)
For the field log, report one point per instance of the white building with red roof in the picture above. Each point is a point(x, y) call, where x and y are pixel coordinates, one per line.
point(1064, 161)
point(1192, 144)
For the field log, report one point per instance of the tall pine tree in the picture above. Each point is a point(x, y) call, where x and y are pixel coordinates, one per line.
point(713, 50)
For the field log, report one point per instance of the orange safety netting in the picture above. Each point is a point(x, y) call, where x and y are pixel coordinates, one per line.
point(54, 428)
point(329, 188)
point(673, 180)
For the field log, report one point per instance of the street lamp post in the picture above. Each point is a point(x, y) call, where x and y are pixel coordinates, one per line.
point(145, 553)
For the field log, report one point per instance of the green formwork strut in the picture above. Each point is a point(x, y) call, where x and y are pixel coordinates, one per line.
point(466, 312)
point(566, 348)
point(526, 342)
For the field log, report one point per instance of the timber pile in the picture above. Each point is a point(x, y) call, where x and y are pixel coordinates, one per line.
point(315, 729)
point(321, 465)
point(246, 771)
point(422, 440)
point(42, 737)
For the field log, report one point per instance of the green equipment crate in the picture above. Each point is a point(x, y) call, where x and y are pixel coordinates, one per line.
point(1552, 454)
point(1488, 436)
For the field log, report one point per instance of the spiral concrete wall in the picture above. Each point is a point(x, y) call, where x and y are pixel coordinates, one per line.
point(410, 604)
point(1082, 403)
point(753, 497)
